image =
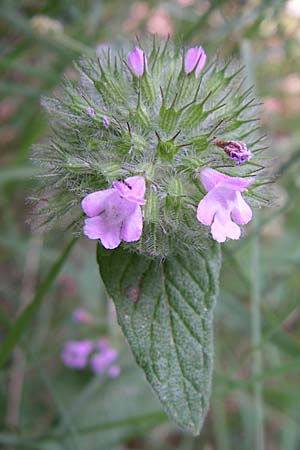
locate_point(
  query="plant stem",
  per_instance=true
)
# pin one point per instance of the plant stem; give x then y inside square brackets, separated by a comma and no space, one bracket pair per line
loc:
[255,295]
[256,340]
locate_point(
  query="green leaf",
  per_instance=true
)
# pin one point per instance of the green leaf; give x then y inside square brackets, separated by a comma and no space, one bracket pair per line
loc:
[165,309]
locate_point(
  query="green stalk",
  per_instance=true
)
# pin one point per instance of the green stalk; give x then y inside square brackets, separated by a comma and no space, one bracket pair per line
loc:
[255,296]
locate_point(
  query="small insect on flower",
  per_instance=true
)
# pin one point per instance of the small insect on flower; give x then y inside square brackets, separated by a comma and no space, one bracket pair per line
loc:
[194,60]
[236,150]
[223,207]
[136,61]
[115,214]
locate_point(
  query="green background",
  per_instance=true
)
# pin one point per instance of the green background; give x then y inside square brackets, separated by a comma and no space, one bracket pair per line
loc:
[255,401]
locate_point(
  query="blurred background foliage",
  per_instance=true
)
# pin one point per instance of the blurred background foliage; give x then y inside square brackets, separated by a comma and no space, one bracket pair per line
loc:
[256,396]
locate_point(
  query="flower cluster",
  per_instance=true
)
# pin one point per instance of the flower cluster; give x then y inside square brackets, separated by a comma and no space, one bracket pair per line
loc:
[142,138]
[99,356]
[116,214]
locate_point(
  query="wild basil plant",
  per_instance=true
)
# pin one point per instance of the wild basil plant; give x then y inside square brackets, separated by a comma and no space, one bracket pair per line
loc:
[155,154]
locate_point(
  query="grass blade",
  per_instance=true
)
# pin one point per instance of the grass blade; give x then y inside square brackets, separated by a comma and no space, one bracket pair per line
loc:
[27,314]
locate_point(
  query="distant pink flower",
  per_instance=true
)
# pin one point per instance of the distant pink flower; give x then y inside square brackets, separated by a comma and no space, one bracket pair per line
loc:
[102,360]
[75,353]
[114,371]
[98,355]
[223,207]
[194,60]
[136,61]
[115,214]
[81,315]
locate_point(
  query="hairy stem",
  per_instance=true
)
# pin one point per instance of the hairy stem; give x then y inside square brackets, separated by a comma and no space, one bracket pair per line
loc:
[255,294]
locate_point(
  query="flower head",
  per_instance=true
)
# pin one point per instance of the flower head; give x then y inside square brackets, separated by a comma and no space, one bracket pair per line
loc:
[75,353]
[135,60]
[152,117]
[194,60]
[223,207]
[115,214]
[236,150]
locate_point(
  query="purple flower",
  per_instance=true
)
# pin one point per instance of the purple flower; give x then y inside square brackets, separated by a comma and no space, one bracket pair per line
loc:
[223,207]
[90,111]
[105,121]
[115,214]
[75,353]
[194,59]
[102,360]
[236,150]
[135,61]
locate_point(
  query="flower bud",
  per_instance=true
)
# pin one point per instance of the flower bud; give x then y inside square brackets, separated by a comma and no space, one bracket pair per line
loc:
[236,150]
[194,59]
[90,111]
[105,121]
[135,60]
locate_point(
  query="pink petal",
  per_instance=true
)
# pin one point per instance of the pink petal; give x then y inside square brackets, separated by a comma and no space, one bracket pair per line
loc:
[96,202]
[207,208]
[132,226]
[132,189]
[114,371]
[223,227]
[191,58]
[237,183]
[135,60]
[211,178]
[138,186]
[100,227]
[92,227]
[201,62]
[241,212]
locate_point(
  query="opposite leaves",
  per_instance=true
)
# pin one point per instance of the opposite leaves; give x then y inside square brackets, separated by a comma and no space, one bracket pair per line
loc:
[165,310]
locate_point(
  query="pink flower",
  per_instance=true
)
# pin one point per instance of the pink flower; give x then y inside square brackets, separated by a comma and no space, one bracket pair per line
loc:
[99,355]
[114,371]
[194,59]
[102,360]
[135,61]
[115,214]
[81,315]
[75,353]
[223,207]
